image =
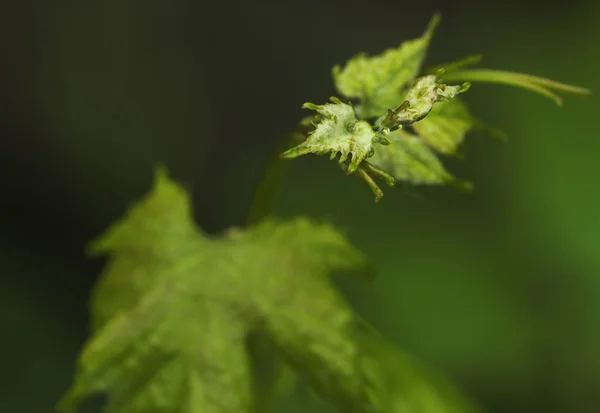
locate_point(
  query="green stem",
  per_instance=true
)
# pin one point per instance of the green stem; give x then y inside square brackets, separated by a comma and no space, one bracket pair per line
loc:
[454,66]
[543,86]
[263,199]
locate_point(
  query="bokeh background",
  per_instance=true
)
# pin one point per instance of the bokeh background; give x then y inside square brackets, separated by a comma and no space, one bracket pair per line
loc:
[499,289]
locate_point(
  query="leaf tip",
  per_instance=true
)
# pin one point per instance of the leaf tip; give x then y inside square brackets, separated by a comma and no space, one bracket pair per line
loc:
[94,248]
[311,106]
[66,404]
[558,100]
[335,71]
[161,172]
[462,186]
[464,87]
[433,24]
[295,152]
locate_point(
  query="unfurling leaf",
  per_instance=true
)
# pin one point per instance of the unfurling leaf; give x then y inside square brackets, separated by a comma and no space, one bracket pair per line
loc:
[381,81]
[409,159]
[339,132]
[419,101]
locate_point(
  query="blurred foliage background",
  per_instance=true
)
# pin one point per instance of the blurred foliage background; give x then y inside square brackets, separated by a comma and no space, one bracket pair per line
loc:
[499,289]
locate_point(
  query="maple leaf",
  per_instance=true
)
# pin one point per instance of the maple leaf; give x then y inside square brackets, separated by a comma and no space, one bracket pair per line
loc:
[380,81]
[174,309]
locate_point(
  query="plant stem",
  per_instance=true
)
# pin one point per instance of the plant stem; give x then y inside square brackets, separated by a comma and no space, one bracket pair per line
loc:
[269,186]
[543,86]
[454,66]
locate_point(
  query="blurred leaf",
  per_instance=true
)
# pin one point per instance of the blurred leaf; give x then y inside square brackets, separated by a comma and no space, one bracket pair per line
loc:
[409,386]
[392,381]
[380,81]
[158,232]
[177,339]
[174,338]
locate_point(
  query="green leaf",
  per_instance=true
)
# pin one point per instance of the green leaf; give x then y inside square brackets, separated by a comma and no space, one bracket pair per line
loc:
[358,371]
[177,338]
[445,127]
[380,81]
[402,381]
[338,132]
[157,232]
[174,308]
[408,158]
[273,379]
[172,352]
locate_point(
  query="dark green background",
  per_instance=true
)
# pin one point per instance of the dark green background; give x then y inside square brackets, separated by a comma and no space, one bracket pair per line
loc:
[499,289]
